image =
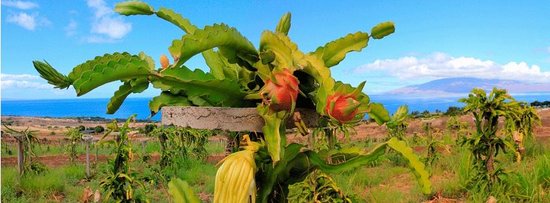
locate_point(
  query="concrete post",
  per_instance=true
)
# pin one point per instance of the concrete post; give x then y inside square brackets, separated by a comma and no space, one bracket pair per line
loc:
[143,147]
[143,144]
[229,119]
[20,154]
[88,140]
[96,153]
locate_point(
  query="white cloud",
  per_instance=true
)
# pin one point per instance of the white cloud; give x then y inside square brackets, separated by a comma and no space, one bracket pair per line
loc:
[26,86]
[100,8]
[23,5]
[22,84]
[4,76]
[70,29]
[23,81]
[28,21]
[24,20]
[441,65]
[105,25]
[114,28]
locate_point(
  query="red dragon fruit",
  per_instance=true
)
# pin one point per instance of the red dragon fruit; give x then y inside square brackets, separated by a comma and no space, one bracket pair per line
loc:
[342,107]
[280,91]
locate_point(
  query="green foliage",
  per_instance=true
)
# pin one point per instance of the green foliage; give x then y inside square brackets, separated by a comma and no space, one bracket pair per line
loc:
[454,124]
[355,160]
[532,182]
[131,86]
[180,143]
[397,124]
[228,64]
[222,69]
[107,68]
[219,65]
[148,128]
[167,99]
[356,183]
[197,173]
[431,145]
[176,19]
[524,182]
[296,164]
[377,112]
[321,74]
[528,118]
[51,75]
[75,136]
[274,132]
[285,53]
[485,145]
[540,104]
[238,74]
[520,127]
[181,192]
[201,88]
[28,141]
[284,24]
[99,129]
[120,182]
[334,52]
[325,137]
[317,187]
[133,8]
[235,47]
[32,187]
[415,164]
[382,30]
[271,180]
[454,111]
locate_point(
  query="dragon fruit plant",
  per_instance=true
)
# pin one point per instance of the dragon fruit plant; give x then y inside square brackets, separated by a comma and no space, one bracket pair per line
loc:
[276,78]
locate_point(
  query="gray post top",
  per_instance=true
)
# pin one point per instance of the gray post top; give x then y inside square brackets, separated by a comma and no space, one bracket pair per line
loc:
[87,138]
[223,118]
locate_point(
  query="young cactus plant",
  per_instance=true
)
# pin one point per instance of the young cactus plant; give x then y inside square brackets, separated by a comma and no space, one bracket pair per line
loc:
[276,77]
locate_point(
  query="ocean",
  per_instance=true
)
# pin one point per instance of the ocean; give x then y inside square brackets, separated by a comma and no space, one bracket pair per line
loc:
[140,106]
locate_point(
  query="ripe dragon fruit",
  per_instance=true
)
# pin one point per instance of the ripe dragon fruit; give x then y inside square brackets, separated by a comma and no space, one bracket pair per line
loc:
[280,91]
[342,107]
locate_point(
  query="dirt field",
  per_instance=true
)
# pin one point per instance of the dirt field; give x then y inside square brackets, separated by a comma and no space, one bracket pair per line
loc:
[45,126]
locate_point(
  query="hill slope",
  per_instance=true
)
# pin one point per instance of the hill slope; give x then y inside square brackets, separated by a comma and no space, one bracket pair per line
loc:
[453,86]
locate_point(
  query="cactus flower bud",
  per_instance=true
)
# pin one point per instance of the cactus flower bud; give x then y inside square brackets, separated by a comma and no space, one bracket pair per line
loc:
[235,177]
[164,62]
[342,107]
[281,91]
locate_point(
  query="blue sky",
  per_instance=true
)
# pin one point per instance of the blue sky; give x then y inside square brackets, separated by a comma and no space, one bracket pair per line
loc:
[433,39]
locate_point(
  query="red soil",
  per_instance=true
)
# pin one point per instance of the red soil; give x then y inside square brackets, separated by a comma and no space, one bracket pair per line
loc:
[363,131]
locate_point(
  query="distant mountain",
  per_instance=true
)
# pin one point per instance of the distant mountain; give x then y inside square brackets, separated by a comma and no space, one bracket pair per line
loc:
[455,86]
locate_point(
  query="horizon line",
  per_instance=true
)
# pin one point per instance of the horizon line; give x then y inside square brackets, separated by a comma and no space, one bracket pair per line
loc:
[394,96]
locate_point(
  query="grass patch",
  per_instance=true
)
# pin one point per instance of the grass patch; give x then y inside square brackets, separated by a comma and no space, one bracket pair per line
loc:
[215,147]
[9,183]
[197,173]
[386,180]
[385,194]
[365,184]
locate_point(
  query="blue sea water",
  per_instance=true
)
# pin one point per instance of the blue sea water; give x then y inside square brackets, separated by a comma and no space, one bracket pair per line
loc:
[77,108]
[140,106]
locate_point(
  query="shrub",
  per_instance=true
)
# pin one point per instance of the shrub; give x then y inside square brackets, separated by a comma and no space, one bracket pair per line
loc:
[99,129]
